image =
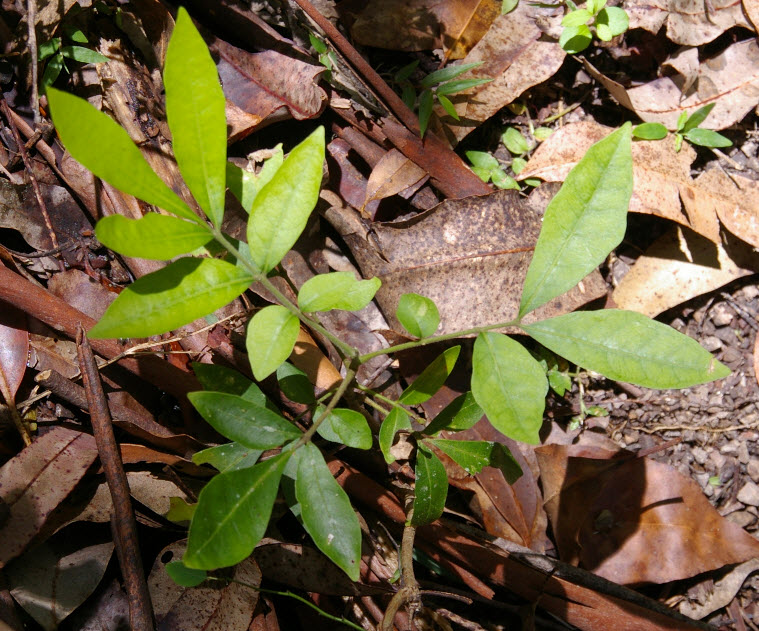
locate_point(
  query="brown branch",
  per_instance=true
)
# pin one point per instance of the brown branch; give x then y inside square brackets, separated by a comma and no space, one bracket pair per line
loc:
[123,521]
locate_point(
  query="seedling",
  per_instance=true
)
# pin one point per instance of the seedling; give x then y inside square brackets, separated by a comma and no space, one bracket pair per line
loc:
[581,225]
[687,128]
[326,56]
[488,169]
[608,22]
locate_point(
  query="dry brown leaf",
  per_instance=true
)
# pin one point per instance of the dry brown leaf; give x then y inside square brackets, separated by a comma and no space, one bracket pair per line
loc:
[14,350]
[81,292]
[391,175]
[730,80]
[453,25]
[679,266]
[37,480]
[634,520]
[515,56]
[723,592]
[751,7]
[470,256]
[689,22]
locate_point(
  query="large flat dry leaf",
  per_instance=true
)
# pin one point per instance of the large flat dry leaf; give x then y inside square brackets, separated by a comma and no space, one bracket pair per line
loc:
[453,25]
[730,80]
[689,22]
[14,350]
[37,480]
[679,266]
[470,256]
[515,56]
[634,520]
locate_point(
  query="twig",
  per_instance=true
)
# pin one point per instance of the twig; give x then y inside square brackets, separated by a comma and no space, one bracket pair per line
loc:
[31,26]
[123,521]
[409,591]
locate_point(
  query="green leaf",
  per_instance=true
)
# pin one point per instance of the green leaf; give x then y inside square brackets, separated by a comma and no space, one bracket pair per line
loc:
[432,378]
[470,455]
[575,39]
[695,119]
[649,131]
[509,385]
[518,165]
[223,379]
[232,514]
[559,381]
[483,173]
[425,110]
[594,6]
[395,421]
[346,427]
[446,74]
[195,111]
[483,160]
[577,18]
[245,185]
[173,296]
[52,71]
[507,6]
[604,32]
[180,512]
[282,207]
[707,138]
[318,45]
[583,222]
[615,19]
[503,181]
[502,458]
[431,488]
[418,315]
[542,133]
[272,334]
[448,106]
[404,73]
[628,346]
[327,512]
[460,85]
[183,575]
[228,457]
[461,413]
[245,422]
[48,48]
[408,95]
[515,142]
[295,384]
[338,290]
[83,55]
[681,120]
[97,142]
[159,237]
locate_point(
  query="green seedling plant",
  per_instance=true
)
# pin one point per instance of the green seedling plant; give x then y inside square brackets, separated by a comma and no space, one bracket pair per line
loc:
[436,86]
[688,128]
[607,22]
[582,224]
[488,169]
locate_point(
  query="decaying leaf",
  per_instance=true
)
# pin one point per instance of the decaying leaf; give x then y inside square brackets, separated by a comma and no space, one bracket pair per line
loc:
[724,591]
[14,350]
[391,175]
[469,256]
[622,516]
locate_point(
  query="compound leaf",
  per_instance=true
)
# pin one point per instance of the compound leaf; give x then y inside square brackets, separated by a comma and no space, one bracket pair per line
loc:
[431,379]
[272,334]
[338,290]
[431,488]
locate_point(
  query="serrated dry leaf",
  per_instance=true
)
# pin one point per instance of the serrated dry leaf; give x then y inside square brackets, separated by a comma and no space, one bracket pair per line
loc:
[634,520]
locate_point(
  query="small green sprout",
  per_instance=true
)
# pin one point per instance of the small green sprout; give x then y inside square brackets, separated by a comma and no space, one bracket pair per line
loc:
[489,169]
[608,22]
[326,56]
[687,128]
[56,53]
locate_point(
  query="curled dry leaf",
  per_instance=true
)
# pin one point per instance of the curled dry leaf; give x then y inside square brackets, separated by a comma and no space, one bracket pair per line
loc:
[689,22]
[730,80]
[722,593]
[14,350]
[37,480]
[210,606]
[393,174]
[620,516]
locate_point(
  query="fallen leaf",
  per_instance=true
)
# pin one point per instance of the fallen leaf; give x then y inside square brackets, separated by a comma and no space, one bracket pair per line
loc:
[455,26]
[689,22]
[469,256]
[37,480]
[634,520]
[391,175]
[751,7]
[211,606]
[515,56]
[153,491]
[679,266]
[14,350]
[723,592]
[81,292]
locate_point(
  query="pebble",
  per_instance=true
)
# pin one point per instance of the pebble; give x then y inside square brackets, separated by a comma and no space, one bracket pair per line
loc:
[730,447]
[700,455]
[721,314]
[711,343]
[751,292]
[749,494]
[752,468]
[743,455]
[731,355]
[718,459]
[742,518]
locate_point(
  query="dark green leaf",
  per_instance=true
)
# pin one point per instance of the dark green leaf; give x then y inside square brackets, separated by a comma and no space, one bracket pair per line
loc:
[707,138]
[183,575]
[446,74]
[628,346]
[223,379]
[583,222]
[295,384]
[502,458]
[346,427]
[431,488]
[327,512]
[83,55]
[448,106]
[272,333]
[228,457]
[695,119]
[48,49]
[470,455]
[337,290]
[509,385]
[395,421]
[173,296]
[431,379]
[408,95]
[318,45]
[247,423]
[52,71]
[405,72]
[462,413]
[649,131]
[425,110]
[195,108]
[460,85]
[418,315]
[232,514]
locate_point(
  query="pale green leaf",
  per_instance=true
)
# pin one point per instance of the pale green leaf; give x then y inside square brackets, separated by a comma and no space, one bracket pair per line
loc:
[394,422]
[695,119]
[245,185]
[418,315]
[346,427]
[576,18]
[430,489]
[470,455]
[649,131]
[583,222]
[683,118]
[461,413]
[507,6]
[282,207]
[613,18]
[327,514]
[432,378]
[503,181]
[338,290]
[159,237]
[247,423]
[518,165]
[228,457]
[96,141]
[448,106]
[295,384]
[628,346]
[232,514]
[510,385]
[514,141]
[575,39]
[272,333]
[542,133]
[604,32]
[195,108]
[707,138]
[483,160]
[176,295]
[180,511]
[183,575]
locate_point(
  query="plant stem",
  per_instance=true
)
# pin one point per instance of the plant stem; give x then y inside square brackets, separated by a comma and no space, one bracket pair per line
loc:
[436,338]
[409,591]
[349,376]
[384,399]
